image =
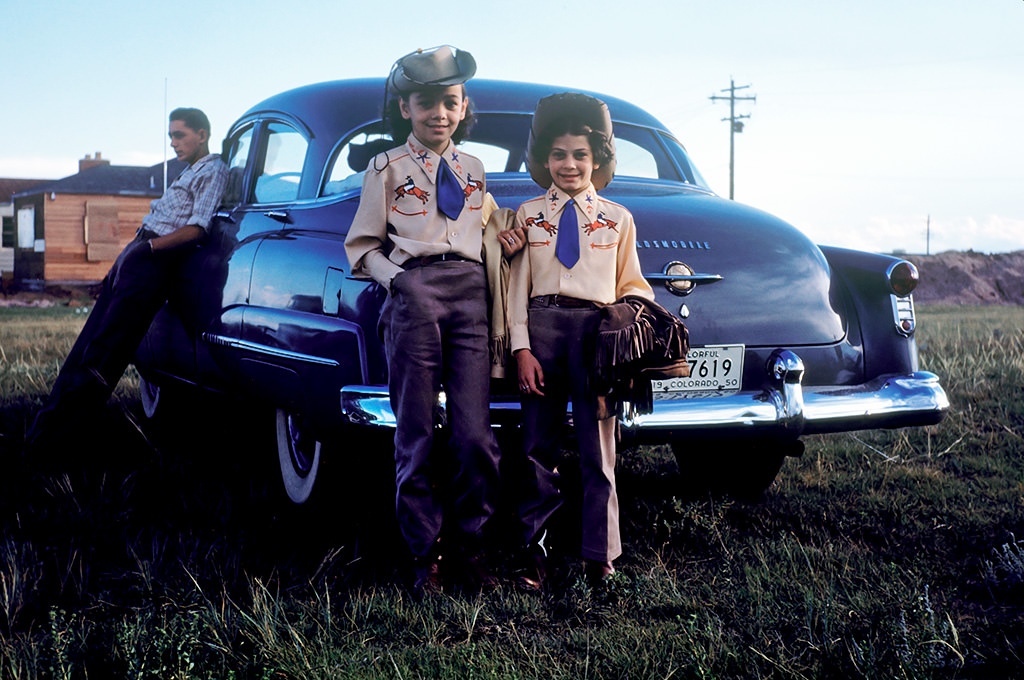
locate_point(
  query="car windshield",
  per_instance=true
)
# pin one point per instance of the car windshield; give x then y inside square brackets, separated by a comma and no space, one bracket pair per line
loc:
[499,141]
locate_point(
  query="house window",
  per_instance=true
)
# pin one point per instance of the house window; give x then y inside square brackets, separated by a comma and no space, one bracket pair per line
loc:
[102,237]
[7,235]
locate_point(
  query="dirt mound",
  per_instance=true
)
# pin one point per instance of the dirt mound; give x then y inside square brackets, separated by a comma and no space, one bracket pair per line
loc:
[970,278]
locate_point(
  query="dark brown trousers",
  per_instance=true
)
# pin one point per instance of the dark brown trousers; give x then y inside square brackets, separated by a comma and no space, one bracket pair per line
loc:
[436,337]
[562,341]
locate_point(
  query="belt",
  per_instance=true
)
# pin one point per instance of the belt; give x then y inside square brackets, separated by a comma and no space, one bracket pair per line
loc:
[414,262]
[565,301]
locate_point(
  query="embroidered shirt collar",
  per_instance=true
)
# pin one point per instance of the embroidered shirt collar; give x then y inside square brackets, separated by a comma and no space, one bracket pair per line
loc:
[430,161]
[555,200]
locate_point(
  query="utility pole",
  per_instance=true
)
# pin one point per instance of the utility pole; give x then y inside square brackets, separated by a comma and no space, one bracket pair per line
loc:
[735,124]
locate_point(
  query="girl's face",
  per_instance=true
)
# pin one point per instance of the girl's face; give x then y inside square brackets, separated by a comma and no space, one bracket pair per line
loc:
[435,115]
[571,163]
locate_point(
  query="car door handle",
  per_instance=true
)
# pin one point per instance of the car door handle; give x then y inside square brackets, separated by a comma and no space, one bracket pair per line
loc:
[279,215]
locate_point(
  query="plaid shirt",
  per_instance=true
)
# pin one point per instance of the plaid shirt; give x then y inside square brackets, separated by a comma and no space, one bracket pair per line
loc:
[191,199]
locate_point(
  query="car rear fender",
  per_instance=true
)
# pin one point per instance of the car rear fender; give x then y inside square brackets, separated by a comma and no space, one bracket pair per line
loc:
[874,310]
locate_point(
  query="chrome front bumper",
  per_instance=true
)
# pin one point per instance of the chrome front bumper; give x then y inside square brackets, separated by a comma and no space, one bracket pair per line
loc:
[787,409]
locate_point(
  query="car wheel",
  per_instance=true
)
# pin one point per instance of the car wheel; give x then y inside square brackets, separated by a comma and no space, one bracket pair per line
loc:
[298,452]
[741,469]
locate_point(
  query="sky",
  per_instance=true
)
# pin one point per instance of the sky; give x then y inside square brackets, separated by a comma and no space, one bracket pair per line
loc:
[879,125]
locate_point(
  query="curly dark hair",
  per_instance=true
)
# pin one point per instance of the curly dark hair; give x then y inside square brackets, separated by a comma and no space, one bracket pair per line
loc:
[599,143]
[401,128]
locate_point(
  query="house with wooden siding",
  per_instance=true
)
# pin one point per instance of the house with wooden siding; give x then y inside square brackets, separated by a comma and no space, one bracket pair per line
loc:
[69,231]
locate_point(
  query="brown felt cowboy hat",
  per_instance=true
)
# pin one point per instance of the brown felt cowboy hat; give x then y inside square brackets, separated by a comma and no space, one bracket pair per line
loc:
[440,66]
[588,110]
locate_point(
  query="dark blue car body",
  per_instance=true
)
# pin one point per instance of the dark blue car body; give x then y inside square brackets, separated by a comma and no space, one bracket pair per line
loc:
[267,309]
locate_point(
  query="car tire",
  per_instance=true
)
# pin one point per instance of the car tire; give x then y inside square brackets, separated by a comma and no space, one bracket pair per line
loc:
[741,469]
[298,452]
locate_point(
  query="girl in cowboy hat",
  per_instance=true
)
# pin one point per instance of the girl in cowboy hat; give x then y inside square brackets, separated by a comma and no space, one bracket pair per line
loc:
[580,254]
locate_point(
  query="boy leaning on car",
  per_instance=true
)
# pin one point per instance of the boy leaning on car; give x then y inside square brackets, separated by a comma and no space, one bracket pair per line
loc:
[418,233]
[138,283]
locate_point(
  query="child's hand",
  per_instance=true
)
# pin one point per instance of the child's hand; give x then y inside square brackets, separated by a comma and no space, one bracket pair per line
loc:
[512,240]
[531,376]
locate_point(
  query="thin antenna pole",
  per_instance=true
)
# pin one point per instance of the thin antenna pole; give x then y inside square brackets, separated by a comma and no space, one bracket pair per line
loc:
[163,187]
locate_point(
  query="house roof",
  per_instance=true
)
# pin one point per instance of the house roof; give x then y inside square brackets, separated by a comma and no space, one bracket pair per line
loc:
[10,186]
[112,180]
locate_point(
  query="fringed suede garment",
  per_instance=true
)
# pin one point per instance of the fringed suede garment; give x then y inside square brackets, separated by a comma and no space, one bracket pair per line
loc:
[638,340]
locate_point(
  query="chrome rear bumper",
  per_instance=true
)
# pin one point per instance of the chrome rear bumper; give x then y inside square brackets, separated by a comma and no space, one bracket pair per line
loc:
[787,409]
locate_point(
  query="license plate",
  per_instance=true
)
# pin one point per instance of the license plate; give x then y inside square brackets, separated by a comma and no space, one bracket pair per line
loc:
[714,370]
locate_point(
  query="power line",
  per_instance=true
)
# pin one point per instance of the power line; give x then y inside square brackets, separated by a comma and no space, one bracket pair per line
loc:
[735,124]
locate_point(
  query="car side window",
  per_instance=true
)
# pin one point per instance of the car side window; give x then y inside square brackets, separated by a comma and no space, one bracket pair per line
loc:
[284,156]
[638,154]
[350,162]
[237,156]
[634,160]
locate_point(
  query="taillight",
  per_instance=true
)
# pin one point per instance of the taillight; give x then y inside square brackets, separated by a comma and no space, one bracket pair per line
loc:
[903,278]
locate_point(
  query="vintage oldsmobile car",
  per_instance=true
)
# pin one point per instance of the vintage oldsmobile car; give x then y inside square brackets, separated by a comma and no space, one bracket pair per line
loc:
[788,338]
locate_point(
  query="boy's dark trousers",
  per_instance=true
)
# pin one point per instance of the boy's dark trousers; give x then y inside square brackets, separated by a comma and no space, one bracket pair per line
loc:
[133,291]
[435,331]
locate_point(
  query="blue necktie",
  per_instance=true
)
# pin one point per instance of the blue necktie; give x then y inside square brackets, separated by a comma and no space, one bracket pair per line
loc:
[450,196]
[567,248]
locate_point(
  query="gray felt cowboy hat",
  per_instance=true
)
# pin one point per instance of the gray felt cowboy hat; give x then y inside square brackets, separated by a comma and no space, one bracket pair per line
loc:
[591,111]
[435,67]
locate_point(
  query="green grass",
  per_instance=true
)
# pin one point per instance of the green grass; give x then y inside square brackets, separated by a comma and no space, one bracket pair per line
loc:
[170,552]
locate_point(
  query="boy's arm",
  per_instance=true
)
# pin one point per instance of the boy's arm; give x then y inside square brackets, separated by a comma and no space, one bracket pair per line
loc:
[519,296]
[207,189]
[367,236]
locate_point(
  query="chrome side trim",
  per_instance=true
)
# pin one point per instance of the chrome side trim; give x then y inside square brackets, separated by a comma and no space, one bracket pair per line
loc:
[266,350]
[696,278]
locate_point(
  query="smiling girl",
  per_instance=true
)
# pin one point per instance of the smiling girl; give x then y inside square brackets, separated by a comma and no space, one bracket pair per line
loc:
[580,255]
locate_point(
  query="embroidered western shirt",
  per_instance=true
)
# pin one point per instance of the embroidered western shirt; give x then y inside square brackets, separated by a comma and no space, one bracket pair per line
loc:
[191,199]
[398,217]
[608,268]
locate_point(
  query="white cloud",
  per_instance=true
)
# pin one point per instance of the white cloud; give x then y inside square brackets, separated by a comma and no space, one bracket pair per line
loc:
[920,234]
[38,167]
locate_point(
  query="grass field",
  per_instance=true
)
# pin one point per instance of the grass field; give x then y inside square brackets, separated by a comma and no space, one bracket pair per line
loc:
[167,551]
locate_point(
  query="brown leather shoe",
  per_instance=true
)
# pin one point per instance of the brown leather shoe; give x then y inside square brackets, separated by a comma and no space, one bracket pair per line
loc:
[598,572]
[478,575]
[533,572]
[426,576]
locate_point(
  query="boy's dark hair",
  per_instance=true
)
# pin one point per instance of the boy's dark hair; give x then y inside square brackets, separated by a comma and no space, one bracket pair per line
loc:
[599,145]
[401,128]
[193,118]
